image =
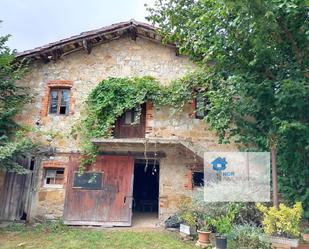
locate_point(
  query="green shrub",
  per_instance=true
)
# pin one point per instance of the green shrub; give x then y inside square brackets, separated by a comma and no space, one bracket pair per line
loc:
[248,214]
[246,237]
[186,212]
[284,221]
[189,218]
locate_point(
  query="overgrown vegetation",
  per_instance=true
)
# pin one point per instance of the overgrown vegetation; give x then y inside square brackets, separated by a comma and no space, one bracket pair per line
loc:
[12,98]
[255,54]
[113,96]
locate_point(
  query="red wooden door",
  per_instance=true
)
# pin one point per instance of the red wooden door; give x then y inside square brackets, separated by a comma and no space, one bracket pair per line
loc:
[109,204]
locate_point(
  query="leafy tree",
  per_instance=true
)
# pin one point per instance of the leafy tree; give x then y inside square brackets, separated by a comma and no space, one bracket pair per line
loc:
[255,53]
[12,98]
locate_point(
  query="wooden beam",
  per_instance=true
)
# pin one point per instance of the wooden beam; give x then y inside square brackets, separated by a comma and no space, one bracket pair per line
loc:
[140,154]
[56,54]
[45,58]
[87,46]
[133,32]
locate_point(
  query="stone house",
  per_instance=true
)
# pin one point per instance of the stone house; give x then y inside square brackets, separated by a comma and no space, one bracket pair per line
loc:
[143,169]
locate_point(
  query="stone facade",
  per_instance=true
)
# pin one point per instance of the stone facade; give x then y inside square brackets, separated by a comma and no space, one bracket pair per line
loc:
[81,72]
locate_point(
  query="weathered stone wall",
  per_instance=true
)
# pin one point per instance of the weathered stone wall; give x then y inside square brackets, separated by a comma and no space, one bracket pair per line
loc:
[173,182]
[49,201]
[119,58]
[184,126]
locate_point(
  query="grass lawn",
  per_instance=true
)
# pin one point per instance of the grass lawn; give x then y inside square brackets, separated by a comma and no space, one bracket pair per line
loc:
[52,236]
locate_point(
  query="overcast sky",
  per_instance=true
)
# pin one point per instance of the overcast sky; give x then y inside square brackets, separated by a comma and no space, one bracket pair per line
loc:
[33,23]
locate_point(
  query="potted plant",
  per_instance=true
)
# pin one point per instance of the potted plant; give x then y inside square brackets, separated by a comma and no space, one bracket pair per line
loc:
[203,234]
[306,235]
[223,225]
[282,225]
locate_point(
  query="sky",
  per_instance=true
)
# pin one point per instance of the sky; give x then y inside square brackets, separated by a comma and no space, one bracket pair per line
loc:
[33,23]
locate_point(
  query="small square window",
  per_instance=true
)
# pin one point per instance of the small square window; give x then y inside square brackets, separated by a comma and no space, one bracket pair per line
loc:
[198,179]
[54,177]
[59,101]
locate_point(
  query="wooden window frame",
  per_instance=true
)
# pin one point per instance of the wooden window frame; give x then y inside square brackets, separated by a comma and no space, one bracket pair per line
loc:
[59,95]
[56,84]
[53,185]
[133,113]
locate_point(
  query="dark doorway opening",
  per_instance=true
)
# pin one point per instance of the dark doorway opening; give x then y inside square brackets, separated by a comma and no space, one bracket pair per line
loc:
[146,186]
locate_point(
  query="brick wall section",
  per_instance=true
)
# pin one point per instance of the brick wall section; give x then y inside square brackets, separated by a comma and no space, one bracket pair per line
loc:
[149,118]
[193,107]
[164,202]
[55,84]
[53,164]
[188,176]
[188,183]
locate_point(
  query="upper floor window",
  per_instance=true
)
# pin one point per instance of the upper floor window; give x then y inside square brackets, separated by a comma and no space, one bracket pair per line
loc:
[59,101]
[132,116]
[201,105]
[132,123]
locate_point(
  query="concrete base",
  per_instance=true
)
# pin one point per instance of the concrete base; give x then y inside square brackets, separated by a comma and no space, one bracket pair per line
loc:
[202,245]
[279,246]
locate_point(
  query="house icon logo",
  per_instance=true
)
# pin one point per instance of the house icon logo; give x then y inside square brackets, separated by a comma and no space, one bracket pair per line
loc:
[219,164]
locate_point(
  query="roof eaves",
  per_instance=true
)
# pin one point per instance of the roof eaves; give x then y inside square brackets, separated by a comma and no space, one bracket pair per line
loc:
[110,30]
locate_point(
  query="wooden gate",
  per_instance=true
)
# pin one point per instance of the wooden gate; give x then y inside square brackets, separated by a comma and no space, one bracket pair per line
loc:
[18,191]
[103,198]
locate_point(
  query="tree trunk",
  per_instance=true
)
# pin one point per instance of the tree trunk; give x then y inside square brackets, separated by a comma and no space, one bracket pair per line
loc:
[274,177]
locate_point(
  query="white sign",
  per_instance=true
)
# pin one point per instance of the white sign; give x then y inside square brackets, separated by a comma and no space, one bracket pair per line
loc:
[237,176]
[184,229]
